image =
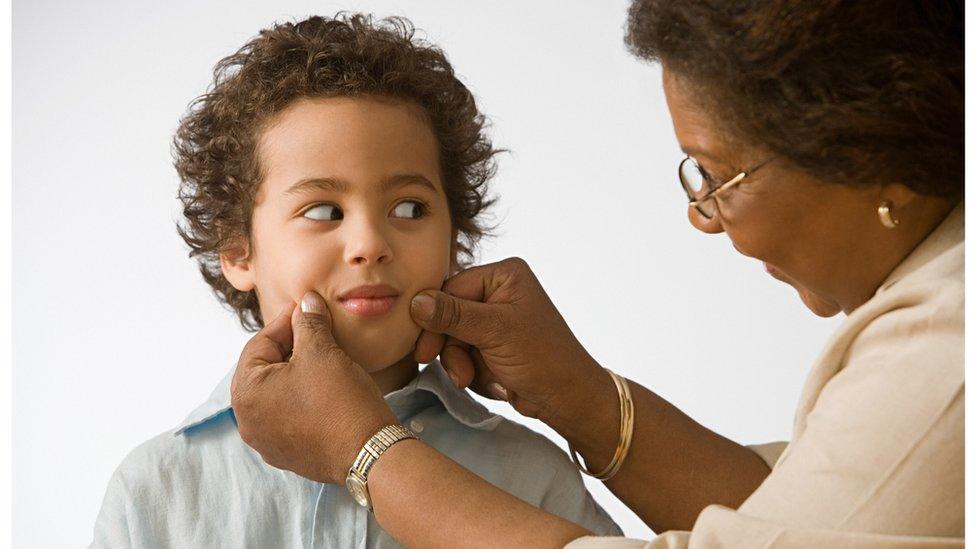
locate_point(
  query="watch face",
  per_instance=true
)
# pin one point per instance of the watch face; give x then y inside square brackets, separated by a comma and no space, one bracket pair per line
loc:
[357,488]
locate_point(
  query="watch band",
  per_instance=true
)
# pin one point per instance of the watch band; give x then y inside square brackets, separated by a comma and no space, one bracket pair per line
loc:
[358,477]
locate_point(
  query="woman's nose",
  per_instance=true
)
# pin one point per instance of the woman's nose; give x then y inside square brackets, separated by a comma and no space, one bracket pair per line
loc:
[704,224]
[366,245]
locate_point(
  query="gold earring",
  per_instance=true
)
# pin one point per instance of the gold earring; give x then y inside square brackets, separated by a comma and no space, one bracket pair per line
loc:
[884,215]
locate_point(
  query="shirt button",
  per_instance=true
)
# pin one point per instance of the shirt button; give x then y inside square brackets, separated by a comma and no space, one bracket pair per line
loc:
[416,426]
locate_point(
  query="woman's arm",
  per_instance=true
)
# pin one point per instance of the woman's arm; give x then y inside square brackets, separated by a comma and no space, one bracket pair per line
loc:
[424,499]
[675,467]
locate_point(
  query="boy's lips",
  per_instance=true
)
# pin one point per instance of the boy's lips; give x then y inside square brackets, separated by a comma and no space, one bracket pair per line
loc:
[369,300]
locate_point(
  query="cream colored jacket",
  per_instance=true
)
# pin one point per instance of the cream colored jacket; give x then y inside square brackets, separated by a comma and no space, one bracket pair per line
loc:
[876,458]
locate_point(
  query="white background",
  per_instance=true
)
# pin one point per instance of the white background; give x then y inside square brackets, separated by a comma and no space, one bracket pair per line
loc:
[117,337]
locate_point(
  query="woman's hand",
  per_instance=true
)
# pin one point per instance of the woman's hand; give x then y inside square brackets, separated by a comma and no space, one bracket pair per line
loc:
[521,349]
[309,413]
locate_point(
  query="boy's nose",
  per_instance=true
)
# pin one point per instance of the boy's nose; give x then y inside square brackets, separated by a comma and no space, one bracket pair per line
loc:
[367,245]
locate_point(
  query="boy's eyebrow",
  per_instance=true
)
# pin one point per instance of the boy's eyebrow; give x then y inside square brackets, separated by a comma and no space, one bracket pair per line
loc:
[402,180]
[320,183]
[339,186]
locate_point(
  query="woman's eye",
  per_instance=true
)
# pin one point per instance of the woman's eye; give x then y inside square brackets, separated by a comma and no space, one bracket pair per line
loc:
[706,177]
[409,209]
[324,212]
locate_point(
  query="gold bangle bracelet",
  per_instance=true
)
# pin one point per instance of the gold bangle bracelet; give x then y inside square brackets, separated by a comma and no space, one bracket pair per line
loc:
[626,432]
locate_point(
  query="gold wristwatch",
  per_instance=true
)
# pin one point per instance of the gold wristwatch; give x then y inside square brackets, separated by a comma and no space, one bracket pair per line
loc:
[356,480]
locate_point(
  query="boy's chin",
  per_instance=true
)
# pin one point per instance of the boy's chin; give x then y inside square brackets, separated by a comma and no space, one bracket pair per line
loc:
[380,355]
[373,364]
[377,345]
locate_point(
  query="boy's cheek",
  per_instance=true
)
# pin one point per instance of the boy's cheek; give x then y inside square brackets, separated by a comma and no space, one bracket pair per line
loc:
[289,282]
[431,277]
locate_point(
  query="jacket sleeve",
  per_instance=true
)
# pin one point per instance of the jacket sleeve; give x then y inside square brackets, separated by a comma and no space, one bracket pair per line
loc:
[722,528]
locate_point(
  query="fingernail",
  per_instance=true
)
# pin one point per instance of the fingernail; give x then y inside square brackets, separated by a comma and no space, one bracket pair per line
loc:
[498,391]
[454,378]
[312,304]
[423,306]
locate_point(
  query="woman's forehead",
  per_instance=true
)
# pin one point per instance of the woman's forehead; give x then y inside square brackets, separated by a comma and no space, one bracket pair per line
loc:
[693,128]
[698,133]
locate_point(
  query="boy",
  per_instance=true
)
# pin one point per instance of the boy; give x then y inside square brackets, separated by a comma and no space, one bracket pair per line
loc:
[344,157]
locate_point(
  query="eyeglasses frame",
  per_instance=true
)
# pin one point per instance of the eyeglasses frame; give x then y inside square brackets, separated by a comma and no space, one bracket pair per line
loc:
[710,195]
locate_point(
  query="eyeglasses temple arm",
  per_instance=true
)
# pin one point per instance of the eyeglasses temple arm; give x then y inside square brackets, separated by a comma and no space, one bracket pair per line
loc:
[723,186]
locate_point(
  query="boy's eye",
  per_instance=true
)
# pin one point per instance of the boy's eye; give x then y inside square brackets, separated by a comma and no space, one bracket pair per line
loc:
[409,209]
[324,212]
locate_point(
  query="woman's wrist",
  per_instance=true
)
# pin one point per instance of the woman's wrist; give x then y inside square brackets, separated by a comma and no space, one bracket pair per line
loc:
[359,430]
[587,415]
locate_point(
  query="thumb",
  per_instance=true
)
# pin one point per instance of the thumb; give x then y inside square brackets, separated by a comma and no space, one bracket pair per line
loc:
[312,325]
[271,345]
[468,321]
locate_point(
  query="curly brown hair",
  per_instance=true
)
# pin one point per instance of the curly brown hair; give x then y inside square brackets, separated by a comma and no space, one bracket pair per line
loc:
[850,92]
[348,55]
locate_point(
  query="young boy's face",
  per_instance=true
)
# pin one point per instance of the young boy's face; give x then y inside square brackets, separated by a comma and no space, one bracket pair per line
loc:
[351,206]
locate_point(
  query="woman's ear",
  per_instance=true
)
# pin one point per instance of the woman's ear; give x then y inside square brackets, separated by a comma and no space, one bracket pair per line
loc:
[899,194]
[235,263]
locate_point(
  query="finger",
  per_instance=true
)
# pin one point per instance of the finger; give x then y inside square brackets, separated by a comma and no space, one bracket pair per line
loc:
[311,322]
[429,345]
[485,383]
[270,345]
[470,283]
[469,321]
[481,282]
[457,362]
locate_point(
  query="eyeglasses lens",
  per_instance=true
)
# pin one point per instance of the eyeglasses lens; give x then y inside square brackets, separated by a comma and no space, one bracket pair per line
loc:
[695,186]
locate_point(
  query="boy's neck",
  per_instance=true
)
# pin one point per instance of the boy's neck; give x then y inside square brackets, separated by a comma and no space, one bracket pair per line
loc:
[397,376]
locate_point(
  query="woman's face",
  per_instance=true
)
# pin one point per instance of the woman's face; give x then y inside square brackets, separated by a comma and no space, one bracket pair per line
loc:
[351,206]
[808,233]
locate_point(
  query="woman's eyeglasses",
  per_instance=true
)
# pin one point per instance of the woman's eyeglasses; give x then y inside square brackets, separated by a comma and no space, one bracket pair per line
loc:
[702,189]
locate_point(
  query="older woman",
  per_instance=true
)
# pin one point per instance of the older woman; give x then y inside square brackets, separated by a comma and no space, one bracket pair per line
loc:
[823,138]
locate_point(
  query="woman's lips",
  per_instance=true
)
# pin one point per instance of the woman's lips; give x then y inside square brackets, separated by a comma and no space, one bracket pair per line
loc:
[369,300]
[368,306]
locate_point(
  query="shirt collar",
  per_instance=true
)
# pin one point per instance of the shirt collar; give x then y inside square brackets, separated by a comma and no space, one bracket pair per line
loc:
[949,234]
[432,380]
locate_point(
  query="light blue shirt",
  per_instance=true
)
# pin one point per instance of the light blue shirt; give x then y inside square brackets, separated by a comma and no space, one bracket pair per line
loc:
[201,486]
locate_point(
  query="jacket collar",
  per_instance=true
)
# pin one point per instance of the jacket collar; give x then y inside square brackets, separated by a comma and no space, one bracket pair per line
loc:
[431,384]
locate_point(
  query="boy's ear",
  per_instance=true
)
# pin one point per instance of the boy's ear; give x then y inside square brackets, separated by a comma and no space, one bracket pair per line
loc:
[236,265]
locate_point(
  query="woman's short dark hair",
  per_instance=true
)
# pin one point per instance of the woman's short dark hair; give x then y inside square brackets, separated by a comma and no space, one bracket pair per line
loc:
[851,92]
[215,147]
